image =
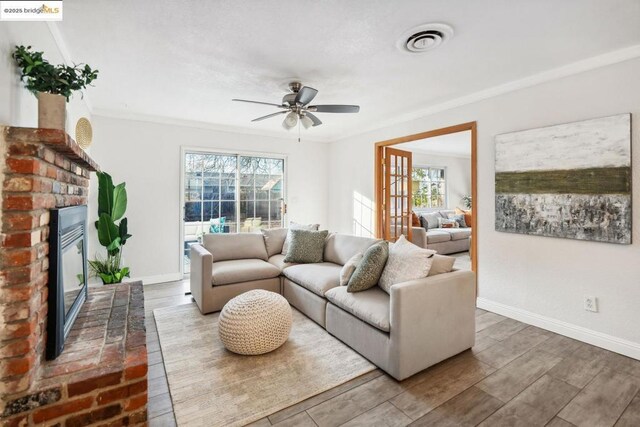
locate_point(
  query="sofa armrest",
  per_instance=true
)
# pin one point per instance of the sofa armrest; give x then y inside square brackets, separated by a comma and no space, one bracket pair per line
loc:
[419,237]
[432,319]
[200,277]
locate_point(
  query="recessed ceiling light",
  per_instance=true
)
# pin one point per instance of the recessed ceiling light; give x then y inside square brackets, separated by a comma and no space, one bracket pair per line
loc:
[424,38]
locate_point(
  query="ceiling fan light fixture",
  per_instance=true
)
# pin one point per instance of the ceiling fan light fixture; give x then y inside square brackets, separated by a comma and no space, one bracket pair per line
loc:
[306,122]
[290,121]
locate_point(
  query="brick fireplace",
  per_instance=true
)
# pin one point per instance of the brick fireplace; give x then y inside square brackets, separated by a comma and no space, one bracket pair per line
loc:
[101,377]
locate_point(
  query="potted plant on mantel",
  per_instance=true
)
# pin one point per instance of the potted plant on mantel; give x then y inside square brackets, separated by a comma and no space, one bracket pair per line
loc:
[52,85]
[112,204]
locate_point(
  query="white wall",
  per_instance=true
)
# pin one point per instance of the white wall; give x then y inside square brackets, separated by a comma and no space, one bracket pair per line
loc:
[147,157]
[538,279]
[457,174]
[18,107]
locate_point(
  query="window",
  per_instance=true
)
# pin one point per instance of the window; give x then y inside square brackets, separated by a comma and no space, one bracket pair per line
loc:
[222,188]
[429,187]
[229,193]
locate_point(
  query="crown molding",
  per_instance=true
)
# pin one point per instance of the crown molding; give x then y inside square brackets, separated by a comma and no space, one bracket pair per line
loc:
[595,62]
[577,67]
[149,118]
[58,38]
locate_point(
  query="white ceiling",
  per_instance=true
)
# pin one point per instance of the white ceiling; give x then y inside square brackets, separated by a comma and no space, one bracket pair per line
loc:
[186,60]
[454,144]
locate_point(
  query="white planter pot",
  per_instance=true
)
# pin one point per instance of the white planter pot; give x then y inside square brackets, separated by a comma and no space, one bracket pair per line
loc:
[52,111]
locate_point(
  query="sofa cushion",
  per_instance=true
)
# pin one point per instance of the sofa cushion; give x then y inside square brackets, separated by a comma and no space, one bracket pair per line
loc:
[430,220]
[459,218]
[274,240]
[445,213]
[468,216]
[242,270]
[349,267]
[448,223]
[235,246]
[339,248]
[371,306]
[459,233]
[318,278]
[415,219]
[406,262]
[437,236]
[296,226]
[369,268]
[306,246]
[441,264]
[278,261]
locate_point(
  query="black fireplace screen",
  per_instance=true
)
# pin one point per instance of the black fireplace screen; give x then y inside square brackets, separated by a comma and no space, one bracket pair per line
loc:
[67,274]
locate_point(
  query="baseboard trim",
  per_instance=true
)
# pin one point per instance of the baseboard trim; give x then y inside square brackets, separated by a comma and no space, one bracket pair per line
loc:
[160,278]
[609,342]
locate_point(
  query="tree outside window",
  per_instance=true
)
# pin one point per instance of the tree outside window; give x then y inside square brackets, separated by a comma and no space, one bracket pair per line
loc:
[429,187]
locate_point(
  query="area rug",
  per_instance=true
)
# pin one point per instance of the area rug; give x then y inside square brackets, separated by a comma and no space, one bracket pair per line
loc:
[211,386]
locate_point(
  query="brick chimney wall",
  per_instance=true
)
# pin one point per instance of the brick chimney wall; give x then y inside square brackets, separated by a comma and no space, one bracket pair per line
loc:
[44,169]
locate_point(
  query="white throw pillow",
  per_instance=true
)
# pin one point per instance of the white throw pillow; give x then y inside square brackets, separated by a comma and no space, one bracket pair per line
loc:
[406,262]
[296,226]
[441,264]
[349,267]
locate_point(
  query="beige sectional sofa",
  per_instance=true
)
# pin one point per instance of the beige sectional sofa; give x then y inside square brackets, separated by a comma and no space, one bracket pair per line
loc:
[420,323]
[443,240]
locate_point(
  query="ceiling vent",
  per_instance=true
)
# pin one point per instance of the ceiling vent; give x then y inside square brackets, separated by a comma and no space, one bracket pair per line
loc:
[424,38]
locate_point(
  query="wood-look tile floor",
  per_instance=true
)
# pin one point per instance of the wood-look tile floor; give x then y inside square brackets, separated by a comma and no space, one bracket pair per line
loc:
[516,375]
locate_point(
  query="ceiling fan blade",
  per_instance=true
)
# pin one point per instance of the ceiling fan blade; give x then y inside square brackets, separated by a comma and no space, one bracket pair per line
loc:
[269,116]
[334,108]
[316,121]
[305,95]
[260,102]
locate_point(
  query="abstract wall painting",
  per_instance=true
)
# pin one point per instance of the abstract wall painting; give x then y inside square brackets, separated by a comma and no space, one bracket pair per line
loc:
[570,181]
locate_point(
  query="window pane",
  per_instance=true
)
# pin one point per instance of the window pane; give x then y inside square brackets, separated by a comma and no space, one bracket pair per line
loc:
[192,211]
[228,189]
[247,193]
[247,210]
[429,187]
[211,188]
[228,211]
[262,210]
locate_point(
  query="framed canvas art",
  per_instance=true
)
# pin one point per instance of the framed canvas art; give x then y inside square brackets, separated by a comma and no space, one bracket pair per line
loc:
[570,181]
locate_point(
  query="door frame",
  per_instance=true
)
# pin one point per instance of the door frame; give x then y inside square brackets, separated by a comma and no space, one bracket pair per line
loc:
[184,149]
[379,159]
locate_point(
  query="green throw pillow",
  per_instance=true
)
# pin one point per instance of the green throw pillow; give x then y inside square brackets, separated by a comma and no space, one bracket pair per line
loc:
[306,246]
[370,269]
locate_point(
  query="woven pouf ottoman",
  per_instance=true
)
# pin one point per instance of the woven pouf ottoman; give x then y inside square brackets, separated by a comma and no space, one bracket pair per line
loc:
[255,322]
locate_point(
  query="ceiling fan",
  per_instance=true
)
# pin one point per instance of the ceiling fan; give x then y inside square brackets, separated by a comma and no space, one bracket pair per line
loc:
[297,109]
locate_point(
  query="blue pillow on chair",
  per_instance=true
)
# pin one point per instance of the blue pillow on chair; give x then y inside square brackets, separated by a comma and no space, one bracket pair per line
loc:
[217,225]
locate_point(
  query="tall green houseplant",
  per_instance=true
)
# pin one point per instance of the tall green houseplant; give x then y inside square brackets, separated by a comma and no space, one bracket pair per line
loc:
[112,230]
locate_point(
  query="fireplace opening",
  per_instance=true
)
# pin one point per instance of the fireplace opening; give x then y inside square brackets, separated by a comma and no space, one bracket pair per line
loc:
[67,274]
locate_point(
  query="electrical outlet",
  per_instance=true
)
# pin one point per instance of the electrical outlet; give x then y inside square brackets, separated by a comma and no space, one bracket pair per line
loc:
[591,303]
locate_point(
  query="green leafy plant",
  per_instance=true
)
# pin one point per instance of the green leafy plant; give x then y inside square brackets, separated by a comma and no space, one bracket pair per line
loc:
[108,270]
[467,201]
[112,230]
[39,75]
